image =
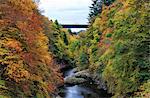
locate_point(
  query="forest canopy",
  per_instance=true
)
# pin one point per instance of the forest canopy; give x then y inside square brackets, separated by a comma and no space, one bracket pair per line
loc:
[115,48]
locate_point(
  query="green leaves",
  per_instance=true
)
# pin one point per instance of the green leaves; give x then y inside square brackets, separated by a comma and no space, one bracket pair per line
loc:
[2,82]
[123,46]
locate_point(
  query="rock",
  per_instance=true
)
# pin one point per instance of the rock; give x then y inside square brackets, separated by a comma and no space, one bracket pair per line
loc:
[78,78]
[75,70]
[74,81]
[99,81]
[58,97]
[85,76]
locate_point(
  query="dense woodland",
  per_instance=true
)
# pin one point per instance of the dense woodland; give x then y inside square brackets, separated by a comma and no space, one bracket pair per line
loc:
[27,67]
[34,48]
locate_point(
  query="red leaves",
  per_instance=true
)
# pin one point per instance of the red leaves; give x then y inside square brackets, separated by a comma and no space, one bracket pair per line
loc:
[51,87]
[28,58]
[35,23]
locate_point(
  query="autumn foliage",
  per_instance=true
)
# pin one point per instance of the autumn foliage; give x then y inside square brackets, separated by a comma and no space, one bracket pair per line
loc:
[27,68]
[123,48]
[116,48]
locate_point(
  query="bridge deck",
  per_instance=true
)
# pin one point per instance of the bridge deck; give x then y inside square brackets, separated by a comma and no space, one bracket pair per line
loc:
[74,26]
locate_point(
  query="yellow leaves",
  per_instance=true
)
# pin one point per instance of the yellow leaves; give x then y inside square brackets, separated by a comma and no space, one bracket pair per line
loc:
[93,67]
[42,41]
[144,90]
[127,2]
[24,50]
[3,51]
[16,72]
[41,48]
[64,30]
[10,58]
[23,5]
[96,23]
[35,77]
[105,55]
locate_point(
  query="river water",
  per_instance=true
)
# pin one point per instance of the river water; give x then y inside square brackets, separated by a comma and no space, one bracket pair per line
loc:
[78,91]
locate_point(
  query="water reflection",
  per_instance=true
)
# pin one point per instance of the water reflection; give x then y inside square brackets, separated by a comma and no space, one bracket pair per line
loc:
[79,92]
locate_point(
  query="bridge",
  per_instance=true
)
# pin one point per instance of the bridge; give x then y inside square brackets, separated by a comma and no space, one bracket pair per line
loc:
[74,25]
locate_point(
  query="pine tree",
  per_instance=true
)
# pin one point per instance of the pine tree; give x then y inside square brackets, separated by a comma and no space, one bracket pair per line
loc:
[108,2]
[95,9]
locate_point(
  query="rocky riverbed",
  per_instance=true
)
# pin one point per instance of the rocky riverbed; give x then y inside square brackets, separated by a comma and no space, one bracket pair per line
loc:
[83,77]
[82,84]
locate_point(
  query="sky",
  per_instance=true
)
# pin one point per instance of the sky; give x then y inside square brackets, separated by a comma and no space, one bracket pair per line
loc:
[66,11]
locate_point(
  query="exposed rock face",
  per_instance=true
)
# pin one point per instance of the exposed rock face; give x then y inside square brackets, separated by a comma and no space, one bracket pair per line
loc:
[86,77]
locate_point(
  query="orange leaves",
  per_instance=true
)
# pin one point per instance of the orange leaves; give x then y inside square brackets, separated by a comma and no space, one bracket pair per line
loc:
[22,25]
[24,49]
[16,72]
[35,22]
[28,58]
[13,44]
[25,6]
[51,87]
[28,35]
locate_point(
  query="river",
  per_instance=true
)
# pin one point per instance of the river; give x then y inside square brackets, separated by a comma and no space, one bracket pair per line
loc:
[78,91]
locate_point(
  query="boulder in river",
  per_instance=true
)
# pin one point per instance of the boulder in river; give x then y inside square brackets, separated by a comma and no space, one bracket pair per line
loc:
[74,81]
[85,76]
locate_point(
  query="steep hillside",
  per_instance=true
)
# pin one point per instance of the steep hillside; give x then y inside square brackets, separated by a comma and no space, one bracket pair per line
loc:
[124,47]
[116,48]
[27,68]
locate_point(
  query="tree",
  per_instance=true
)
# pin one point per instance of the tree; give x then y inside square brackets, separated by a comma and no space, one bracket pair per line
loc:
[27,68]
[95,9]
[69,30]
[108,2]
